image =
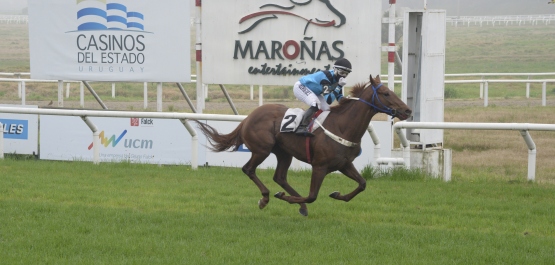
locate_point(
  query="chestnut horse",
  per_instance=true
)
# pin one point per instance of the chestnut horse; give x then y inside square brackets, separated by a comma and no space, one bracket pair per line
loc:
[329,151]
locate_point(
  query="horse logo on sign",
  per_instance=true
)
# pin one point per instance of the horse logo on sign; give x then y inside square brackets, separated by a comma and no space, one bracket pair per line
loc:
[271,11]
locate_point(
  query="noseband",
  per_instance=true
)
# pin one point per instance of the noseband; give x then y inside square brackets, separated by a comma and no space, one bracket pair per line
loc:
[383,108]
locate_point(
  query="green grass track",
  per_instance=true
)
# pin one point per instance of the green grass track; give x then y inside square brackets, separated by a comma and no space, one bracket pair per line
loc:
[120,213]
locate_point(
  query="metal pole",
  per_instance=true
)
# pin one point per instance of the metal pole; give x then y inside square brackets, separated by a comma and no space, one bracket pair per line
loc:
[194,143]
[229,99]
[198,47]
[145,88]
[391,47]
[376,140]
[94,94]
[186,97]
[96,139]
[531,154]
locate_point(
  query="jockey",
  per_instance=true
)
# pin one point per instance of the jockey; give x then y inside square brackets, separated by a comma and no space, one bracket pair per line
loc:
[319,89]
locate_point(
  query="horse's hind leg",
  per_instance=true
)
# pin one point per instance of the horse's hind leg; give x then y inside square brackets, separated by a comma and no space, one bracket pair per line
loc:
[280,177]
[250,170]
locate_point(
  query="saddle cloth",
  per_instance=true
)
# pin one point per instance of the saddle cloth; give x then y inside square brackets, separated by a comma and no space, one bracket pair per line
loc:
[292,119]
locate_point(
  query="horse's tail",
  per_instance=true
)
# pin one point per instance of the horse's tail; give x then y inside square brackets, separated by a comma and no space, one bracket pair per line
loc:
[222,142]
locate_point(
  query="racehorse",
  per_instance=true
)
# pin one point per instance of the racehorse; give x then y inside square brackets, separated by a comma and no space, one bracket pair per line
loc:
[333,147]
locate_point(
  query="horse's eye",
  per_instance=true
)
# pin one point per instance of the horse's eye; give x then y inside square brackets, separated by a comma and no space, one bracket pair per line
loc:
[386,94]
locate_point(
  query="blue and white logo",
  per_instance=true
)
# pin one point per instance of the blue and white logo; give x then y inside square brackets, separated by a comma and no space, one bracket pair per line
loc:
[15,129]
[99,15]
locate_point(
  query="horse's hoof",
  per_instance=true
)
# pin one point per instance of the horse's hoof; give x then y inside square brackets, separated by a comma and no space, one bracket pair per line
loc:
[279,194]
[334,194]
[262,204]
[303,212]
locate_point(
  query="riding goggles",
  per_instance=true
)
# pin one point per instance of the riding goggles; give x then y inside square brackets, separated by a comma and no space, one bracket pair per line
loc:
[342,72]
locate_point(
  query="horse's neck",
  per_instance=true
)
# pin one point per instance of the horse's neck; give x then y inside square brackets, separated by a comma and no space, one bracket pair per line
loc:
[354,121]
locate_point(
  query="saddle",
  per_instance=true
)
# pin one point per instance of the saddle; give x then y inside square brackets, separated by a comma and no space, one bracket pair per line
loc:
[293,116]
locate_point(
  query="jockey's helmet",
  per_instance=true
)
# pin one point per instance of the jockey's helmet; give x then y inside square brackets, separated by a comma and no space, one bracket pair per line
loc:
[342,67]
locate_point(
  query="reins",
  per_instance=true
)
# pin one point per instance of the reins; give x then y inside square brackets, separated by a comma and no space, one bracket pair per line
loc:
[384,108]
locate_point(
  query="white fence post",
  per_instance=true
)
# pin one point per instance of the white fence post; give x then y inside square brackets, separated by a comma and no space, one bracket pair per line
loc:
[194,143]
[22,92]
[544,93]
[159,97]
[19,89]
[486,92]
[60,93]
[482,90]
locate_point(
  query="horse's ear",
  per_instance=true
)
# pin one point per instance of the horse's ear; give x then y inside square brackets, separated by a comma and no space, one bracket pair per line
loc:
[377,79]
[372,80]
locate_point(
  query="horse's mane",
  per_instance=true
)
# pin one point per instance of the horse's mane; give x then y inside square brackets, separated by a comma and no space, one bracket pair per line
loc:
[355,92]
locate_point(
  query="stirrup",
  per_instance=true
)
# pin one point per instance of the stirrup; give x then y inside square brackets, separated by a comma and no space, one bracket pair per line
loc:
[303,131]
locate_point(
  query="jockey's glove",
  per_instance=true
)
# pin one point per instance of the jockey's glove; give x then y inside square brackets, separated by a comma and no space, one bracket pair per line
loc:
[342,81]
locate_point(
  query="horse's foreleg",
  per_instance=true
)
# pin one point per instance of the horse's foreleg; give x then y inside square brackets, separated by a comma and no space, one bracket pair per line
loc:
[250,170]
[280,177]
[351,172]
[318,176]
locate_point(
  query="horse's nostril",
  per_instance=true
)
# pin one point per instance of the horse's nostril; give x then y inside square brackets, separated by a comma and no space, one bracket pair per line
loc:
[408,112]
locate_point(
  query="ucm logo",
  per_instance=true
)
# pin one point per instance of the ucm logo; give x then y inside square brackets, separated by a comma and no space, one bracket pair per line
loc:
[112,140]
[128,143]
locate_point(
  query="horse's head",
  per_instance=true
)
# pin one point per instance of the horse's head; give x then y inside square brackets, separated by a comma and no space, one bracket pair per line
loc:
[382,99]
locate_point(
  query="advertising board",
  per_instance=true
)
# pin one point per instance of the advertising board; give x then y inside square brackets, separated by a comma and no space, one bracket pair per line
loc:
[20,131]
[139,140]
[110,40]
[275,42]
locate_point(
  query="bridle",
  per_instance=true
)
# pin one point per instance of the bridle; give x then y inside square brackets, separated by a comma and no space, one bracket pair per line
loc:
[383,108]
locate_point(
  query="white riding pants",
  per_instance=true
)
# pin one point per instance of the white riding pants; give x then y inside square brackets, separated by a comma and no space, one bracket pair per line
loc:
[306,95]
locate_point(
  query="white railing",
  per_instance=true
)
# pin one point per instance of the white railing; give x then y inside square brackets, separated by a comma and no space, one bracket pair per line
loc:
[183,117]
[523,128]
[21,87]
[85,114]
[516,20]
[512,20]
[484,83]
[14,19]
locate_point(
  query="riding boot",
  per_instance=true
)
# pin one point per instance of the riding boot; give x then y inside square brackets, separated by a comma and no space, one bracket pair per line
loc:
[303,127]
